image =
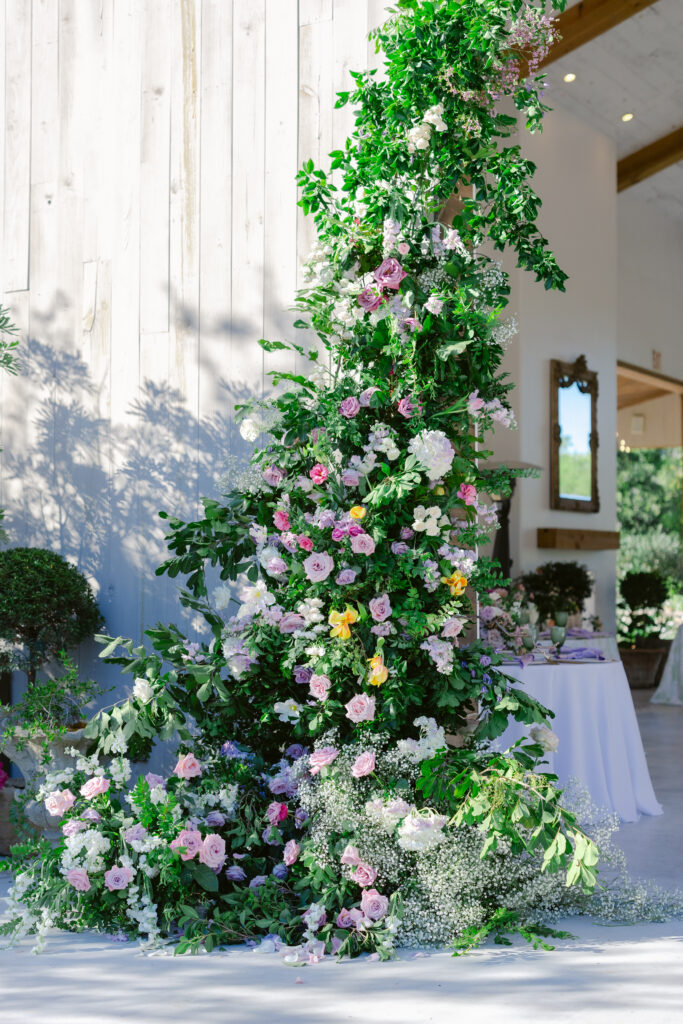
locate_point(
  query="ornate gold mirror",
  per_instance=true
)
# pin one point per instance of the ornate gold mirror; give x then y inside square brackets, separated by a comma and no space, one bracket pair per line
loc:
[574,437]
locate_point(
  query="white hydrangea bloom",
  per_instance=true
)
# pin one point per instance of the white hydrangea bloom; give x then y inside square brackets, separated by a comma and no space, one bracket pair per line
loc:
[421,830]
[433,451]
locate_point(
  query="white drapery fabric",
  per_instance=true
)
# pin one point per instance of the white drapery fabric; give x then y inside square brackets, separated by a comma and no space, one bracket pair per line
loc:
[670,689]
[597,728]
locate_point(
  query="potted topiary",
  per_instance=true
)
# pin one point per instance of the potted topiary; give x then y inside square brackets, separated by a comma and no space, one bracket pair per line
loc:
[641,621]
[558,587]
[46,607]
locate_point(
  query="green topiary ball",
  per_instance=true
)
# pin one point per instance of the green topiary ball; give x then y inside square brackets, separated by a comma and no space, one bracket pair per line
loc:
[644,590]
[46,605]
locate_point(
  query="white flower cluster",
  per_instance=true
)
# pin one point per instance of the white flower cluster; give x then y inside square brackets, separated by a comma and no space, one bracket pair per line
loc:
[429,520]
[420,135]
[432,739]
[85,850]
[433,451]
[421,830]
[441,652]
[141,910]
[311,609]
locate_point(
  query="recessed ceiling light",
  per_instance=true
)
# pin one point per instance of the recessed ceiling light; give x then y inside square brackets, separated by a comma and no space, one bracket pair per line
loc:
[627,117]
[570,77]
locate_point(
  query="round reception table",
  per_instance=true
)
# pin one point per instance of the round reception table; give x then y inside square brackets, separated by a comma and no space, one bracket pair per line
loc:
[597,729]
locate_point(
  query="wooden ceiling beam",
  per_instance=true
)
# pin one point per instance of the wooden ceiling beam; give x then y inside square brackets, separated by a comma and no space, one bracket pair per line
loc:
[589,19]
[648,161]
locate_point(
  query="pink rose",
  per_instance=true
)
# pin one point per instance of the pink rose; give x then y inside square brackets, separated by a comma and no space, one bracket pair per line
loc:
[403,248]
[413,323]
[304,542]
[364,875]
[363,765]
[373,905]
[321,758]
[94,787]
[370,299]
[59,802]
[212,852]
[276,812]
[346,919]
[78,877]
[72,828]
[276,566]
[350,478]
[362,544]
[361,708]
[453,627]
[349,407]
[350,856]
[318,567]
[288,540]
[319,687]
[281,520]
[188,767]
[291,622]
[273,475]
[191,840]
[408,408]
[468,493]
[380,607]
[291,852]
[475,404]
[118,877]
[338,533]
[365,396]
[355,529]
[318,474]
[389,273]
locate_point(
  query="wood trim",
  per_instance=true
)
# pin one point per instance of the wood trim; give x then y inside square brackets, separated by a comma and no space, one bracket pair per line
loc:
[589,19]
[650,160]
[577,540]
[643,376]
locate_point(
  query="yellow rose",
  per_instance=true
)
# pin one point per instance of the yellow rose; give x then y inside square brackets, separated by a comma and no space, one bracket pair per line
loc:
[340,622]
[357,512]
[455,583]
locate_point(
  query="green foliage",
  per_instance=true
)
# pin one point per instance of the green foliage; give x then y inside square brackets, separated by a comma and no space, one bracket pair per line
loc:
[8,343]
[46,606]
[649,490]
[643,597]
[558,586]
[50,708]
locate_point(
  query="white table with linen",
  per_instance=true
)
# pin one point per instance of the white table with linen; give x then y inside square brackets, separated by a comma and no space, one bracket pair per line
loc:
[670,689]
[604,642]
[597,729]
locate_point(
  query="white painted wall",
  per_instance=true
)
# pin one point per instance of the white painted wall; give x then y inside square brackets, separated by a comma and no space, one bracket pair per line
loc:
[650,295]
[150,235]
[658,423]
[576,182]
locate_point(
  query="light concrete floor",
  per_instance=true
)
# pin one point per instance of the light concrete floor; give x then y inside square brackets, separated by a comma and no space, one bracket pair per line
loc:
[605,976]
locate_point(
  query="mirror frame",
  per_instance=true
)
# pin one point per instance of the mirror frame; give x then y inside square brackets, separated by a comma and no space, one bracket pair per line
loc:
[563,375]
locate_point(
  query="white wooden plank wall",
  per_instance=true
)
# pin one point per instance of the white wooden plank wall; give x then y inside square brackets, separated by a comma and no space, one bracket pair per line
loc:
[149,237]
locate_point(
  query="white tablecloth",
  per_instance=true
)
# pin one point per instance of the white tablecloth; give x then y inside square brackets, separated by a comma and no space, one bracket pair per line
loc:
[596,724]
[605,642]
[670,689]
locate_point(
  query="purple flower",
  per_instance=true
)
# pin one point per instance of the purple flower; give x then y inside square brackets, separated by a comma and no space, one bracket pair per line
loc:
[318,566]
[153,780]
[295,751]
[339,533]
[280,871]
[350,478]
[484,661]
[407,408]
[272,836]
[134,834]
[380,607]
[215,819]
[235,873]
[276,566]
[370,298]
[366,396]
[302,674]
[257,881]
[399,547]
[349,407]
[300,817]
[90,814]
[389,274]
[362,544]
[291,622]
[345,577]
[407,533]
[355,530]
[382,629]
[273,475]
[326,519]
[230,749]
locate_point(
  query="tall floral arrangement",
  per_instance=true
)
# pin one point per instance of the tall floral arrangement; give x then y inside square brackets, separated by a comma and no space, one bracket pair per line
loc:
[317,797]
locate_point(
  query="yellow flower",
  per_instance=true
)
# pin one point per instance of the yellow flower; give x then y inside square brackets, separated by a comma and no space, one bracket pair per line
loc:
[340,622]
[357,512]
[439,491]
[379,673]
[455,583]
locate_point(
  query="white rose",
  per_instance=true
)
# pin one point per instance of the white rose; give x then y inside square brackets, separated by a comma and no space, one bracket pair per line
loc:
[250,428]
[142,690]
[546,737]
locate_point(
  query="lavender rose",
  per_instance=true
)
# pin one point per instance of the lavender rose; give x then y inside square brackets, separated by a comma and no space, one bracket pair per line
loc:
[349,407]
[235,873]
[212,852]
[291,622]
[118,878]
[364,875]
[373,905]
[361,708]
[389,274]
[363,544]
[380,607]
[345,577]
[318,566]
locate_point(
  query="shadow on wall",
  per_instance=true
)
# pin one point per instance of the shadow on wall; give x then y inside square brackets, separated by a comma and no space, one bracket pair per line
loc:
[92,490]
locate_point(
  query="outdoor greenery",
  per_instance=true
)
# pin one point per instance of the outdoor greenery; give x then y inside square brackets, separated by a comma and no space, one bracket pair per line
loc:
[650,504]
[315,803]
[558,586]
[643,597]
[46,606]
